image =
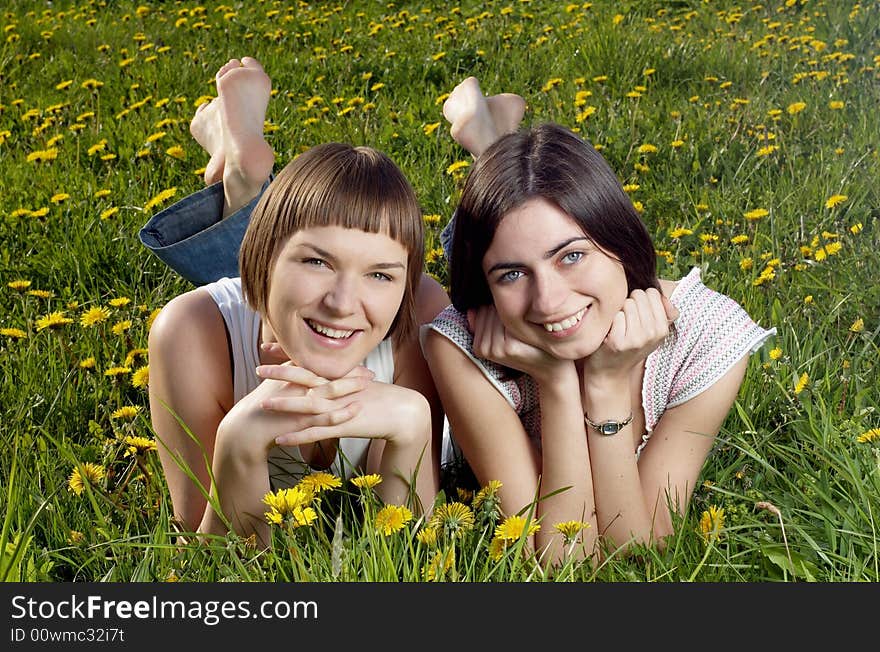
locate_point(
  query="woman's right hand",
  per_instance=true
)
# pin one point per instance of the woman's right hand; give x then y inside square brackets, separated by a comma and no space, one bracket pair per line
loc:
[493,342]
[307,400]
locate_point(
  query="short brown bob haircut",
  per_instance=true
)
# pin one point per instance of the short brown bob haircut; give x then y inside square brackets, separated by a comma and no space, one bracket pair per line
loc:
[553,163]
[334,184]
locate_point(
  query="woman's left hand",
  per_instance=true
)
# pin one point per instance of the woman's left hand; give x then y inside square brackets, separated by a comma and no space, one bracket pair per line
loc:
[494,342]
[637,329]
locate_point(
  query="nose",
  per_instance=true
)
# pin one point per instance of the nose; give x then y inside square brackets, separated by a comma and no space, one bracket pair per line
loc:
[548,294]
[341,297]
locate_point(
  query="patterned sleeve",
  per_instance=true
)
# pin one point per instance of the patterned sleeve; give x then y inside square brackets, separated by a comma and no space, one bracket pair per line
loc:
[713,332]
[520,391]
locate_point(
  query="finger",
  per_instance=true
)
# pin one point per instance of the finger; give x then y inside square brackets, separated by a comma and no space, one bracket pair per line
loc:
[617,332]
[341,387]
[326,426]
[297,404]
[275,353]
[672,312]
[658,312]
[633,323]
[291,374]
[361,372]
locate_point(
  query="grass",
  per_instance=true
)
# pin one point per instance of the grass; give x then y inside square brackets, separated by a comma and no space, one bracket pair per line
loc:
[750,106]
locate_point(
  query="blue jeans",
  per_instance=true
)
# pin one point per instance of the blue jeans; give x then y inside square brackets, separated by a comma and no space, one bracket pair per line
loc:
[194,240]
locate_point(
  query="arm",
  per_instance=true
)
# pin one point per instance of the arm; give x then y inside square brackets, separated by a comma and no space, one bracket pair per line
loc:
[632,498]
[497,446]
[187,349]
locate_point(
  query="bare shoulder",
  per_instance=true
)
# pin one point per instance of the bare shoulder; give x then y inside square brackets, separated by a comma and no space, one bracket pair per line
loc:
[188,338]
[431,299]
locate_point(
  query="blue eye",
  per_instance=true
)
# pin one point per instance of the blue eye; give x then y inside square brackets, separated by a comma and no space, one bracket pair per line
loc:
[572,257]
[379,276]
[317,262]
[510,277]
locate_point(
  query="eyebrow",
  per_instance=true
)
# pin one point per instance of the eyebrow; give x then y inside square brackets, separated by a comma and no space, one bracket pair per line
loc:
[547,254]
[326,254]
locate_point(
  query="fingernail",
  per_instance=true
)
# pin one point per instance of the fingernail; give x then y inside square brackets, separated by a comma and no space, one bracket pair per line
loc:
[259,372]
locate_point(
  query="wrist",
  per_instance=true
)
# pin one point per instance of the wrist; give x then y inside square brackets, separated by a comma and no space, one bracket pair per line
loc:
[411,421]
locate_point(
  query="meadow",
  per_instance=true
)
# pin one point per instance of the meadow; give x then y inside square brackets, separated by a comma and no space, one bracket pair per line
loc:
[746,134]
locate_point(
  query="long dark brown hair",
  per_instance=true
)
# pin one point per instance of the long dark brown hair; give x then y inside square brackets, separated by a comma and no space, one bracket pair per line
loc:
[553,163]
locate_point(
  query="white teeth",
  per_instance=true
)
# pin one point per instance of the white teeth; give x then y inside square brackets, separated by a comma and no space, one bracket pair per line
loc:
[329,332]
[565,323]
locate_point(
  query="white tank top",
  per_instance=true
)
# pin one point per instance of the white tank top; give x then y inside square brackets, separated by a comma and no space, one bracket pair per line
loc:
[243,325]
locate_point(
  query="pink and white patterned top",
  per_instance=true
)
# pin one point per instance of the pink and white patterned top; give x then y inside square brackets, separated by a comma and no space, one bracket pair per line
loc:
[711,334]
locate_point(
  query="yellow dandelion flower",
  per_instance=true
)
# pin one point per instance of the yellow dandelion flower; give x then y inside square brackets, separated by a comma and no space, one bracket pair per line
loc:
[40,212]
[126,412]
[89,473]
[775,354]
[857,326]
[488,495]
[756,214]
[14,333]
[871,435]
[112,372]
[458,165]
[366,481]
[834,200]
[141,377]
[631,187]
[320,481]
[100,146]
[121,326]
[675,144]
[802,383]
[94,316]
[135,445]
[103,192]
[455,519]
[551,84]
[391,519]
[739,239]
[432,218]
[176,151]
[427,536]
[42,294]
[118,302]
[59,197]
[712,523]
[513,528]
[586,113]
[440,564]
[796,107]
[42,156]
[570,529]
[133,355]
[808,299]
[52,320]
[680,232]
[835,105]
[767,150]
[19,285]
[856,228]
[430,128]
[75,537]
[160,198]
[291,504]
[88,363]
[497,548]
[91,85]
[647,148]
[109,212]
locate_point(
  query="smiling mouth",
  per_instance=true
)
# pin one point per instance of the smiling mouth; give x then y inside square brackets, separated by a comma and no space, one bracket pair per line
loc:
[565,324]
[326,331]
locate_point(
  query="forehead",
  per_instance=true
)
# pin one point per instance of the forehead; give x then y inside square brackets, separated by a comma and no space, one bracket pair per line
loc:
[347,244]
[530,230]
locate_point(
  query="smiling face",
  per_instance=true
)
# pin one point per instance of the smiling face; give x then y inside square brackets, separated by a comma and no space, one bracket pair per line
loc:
[552,287]
[333,295]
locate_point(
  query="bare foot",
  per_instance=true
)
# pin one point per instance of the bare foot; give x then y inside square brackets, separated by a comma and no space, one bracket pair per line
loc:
[244,96]
[207,130]
[477,121]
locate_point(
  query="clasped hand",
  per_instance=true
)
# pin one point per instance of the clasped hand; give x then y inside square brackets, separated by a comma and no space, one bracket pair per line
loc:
[639,327]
